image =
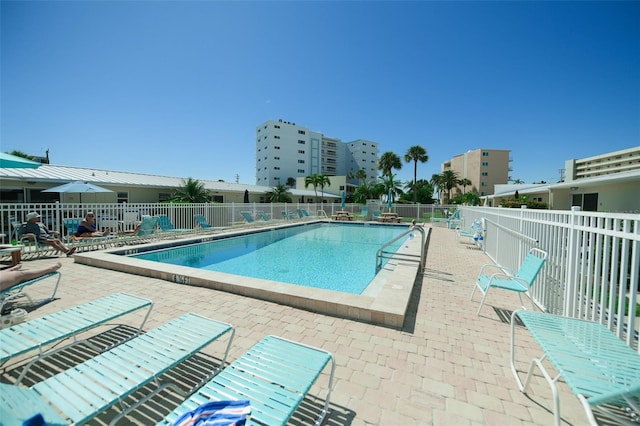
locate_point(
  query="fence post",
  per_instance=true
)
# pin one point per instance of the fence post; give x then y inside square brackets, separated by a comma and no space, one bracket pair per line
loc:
[571,265]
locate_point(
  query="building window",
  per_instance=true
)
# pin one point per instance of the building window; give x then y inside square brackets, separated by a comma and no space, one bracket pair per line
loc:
[301,171]
[485,173]
[164,196]
[300,161]
[276,168]
[485,164]
[302,132]
[276,126]
[485,154]
[301,151]
[123,197]
[276,147]
[276,137]
[483,184]
[301,142]
[276,158]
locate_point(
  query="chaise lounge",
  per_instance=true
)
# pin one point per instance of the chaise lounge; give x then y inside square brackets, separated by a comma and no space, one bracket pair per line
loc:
[274,375]
[79,394]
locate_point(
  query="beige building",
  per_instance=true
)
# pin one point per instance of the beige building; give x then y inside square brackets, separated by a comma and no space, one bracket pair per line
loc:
[483,167]
[604,183]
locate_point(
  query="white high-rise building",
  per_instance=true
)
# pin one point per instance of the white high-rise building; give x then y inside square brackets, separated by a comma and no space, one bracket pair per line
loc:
[285,150]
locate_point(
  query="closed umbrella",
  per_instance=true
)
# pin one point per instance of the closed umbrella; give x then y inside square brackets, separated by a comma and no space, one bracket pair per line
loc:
[8,161]
[246,195]
[77,187]
[342,200]
[390,199]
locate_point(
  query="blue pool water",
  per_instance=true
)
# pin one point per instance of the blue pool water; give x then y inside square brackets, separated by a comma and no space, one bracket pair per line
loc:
[329,256]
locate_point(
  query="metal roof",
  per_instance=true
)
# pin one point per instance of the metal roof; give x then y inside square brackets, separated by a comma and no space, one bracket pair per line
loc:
[55,175]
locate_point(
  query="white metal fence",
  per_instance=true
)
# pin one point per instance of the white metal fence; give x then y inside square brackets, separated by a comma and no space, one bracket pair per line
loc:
[593,268]
[592,271]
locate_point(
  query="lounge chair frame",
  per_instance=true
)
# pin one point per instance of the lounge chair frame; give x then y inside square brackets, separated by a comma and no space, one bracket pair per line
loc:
[274,375]
[39,333]
[18,290]
[83,392]
[598,367]
[506,279]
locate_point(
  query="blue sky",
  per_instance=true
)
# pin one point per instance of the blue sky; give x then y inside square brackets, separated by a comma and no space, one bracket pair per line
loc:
[178,88]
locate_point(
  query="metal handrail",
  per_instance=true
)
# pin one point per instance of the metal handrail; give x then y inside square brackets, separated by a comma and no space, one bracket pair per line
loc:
[382,254]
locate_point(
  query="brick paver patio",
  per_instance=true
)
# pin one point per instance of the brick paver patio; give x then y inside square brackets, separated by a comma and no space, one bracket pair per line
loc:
[447,366]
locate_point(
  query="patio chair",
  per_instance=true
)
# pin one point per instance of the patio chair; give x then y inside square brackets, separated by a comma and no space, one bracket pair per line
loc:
[506,279]
[599,367]
[247,216]
[130,219]
[27,240]
[202,222]
[40,332]
[306,214]
[166,225]
[78,395]
[17,291]
[146,229]
[71,224]
[364,213]
[264,216]
[455,220]
[275,375]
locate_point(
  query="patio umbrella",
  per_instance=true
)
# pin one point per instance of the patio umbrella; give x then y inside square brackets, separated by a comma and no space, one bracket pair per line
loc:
[8,161]
[77,187]
[342,200]
[390,199]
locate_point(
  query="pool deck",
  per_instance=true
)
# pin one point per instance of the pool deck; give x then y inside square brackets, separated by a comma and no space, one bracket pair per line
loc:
[445,366]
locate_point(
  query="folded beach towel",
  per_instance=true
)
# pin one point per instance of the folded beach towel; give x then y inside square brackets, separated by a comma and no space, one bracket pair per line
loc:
[217,413]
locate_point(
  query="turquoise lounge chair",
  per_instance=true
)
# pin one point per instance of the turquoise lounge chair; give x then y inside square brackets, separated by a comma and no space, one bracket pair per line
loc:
[17,291]
[93,242]
[364,213]
[78,395]
[166,225]
[264,216]
[38,333]
[274,375]
[202,222]
[599,368]
[28,240]
[506,279]
[145,231]
[247,216]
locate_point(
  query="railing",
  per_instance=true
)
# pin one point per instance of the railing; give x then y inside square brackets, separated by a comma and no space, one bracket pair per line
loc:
[125,216]
[382,254]
[593,266]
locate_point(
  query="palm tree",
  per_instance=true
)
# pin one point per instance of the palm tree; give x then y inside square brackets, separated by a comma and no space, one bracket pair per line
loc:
[314,180]
[449,180]
[291,182]
[465,182]
[387,162]
[22,155]
[192,191]
[364,192]
[323,180]
[436,183]
[391,183]
[317,181]
[361,175]
[416,153]
[279,194]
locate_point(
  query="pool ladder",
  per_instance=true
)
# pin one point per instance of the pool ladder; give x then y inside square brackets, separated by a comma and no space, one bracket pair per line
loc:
[385,254]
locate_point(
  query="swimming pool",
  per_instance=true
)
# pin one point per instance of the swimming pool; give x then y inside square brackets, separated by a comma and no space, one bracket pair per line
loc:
[384,301]
[329,256]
